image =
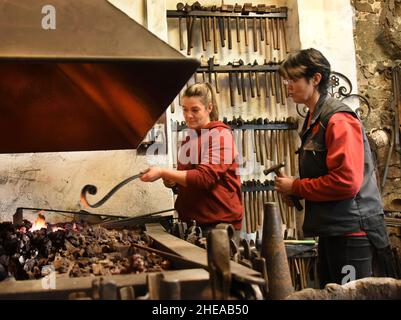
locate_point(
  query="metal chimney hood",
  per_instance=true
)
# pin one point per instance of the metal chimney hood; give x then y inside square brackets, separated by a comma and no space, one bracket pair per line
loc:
[98,81]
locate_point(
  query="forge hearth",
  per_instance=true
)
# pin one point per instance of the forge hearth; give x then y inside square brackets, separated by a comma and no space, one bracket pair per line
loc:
[118,259]
[73,250]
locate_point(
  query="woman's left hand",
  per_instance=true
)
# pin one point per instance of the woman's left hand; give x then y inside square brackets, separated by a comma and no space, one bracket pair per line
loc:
[151,174]
[284,184]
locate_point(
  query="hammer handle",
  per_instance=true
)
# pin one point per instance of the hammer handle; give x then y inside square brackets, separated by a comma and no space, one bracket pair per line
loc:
[246,31]
[267,31]
[243,87]
[278,173]
[237,29]
[180,33]
[220,22]
[214,35]
[297,203]
[230,44]
[231,84]
[254,35]
[203,33]
[257,84]
[284,35]
[238,83]
[294,199]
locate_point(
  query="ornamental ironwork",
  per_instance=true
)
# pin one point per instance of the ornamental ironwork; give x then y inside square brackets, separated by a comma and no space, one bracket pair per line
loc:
[340,87]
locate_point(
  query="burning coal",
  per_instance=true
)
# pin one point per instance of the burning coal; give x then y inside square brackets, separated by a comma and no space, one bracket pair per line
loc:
[76,249]
[40,223]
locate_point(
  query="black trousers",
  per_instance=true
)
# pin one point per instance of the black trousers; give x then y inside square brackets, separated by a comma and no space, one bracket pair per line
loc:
[343,259]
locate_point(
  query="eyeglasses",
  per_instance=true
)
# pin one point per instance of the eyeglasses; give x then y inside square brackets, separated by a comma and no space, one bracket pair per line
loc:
[287,82]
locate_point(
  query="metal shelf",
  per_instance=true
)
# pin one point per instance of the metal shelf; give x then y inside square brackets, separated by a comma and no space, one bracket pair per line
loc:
[257,186]
[198,13]
[243,68]
[267,126]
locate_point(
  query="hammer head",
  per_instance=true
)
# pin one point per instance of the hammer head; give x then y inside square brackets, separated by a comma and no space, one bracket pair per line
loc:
[276,169]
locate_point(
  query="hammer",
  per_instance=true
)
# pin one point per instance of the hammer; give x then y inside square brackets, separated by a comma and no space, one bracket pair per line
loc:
[276,169]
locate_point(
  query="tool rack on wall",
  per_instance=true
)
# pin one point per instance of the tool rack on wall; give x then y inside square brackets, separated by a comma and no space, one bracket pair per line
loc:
[218,22]
[253,78]
[219,31]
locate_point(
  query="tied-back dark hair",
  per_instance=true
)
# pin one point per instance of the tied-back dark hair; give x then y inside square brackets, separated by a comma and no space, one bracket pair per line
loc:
[304,64]
[204,91]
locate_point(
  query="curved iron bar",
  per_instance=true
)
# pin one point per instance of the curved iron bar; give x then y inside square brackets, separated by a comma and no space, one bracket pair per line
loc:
[335,82]
[388,73]
[360,111]
[302,111]
[91,189]
[342,92]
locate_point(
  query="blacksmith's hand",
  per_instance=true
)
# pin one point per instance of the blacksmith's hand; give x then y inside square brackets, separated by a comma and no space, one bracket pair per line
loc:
[151,174]
[169,183]
[283,184]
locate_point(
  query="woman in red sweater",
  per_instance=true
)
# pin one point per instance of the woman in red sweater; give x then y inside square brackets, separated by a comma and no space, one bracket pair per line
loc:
[207,179]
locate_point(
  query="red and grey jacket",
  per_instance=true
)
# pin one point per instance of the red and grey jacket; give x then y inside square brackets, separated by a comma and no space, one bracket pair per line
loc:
[213,191]
[331,209]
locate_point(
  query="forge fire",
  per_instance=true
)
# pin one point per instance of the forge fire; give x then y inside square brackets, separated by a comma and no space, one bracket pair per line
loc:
[73,249]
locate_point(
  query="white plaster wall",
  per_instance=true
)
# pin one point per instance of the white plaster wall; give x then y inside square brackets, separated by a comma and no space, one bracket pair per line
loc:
[55,180]
[328,27]
[135,9]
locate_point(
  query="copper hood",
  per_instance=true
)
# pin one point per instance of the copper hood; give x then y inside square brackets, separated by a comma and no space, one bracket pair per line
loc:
[98,81]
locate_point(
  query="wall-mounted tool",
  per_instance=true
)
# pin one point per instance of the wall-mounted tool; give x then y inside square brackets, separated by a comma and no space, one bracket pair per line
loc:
[180,7]
[214,17]
[212,62]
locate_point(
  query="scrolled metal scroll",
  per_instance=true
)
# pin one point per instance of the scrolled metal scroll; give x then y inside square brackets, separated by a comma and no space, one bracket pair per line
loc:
[302,110]
[91,189]
[340,87]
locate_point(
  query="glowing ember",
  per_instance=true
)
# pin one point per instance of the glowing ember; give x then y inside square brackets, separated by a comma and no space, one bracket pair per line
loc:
[39,223]
[55,228]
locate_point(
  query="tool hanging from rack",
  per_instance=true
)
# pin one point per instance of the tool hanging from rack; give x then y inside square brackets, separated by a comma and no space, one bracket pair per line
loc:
[244,80]
[261,141]
[268,25]
[254,194]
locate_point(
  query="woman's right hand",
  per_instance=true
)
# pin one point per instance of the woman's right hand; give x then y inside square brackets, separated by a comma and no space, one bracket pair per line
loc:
[151,174]
[169,183]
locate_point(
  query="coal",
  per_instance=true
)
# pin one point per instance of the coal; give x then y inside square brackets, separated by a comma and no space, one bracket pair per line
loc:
[75,249]
[3,272]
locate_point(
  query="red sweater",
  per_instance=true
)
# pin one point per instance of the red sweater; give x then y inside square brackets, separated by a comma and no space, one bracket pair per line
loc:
[213,191]
[344,161]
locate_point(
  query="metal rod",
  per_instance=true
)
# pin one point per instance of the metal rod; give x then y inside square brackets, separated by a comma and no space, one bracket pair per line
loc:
[91,189]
